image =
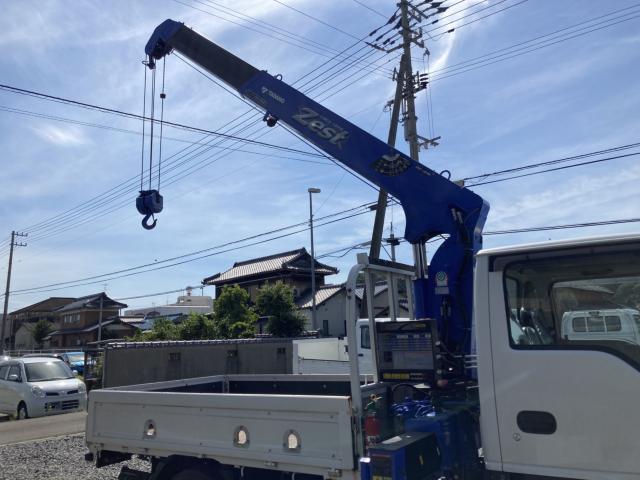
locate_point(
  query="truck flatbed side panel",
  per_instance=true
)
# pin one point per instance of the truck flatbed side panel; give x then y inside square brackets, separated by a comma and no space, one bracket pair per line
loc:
[204,425]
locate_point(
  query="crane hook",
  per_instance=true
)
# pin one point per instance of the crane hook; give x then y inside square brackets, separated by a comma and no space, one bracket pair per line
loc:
[148,203]
[145,220]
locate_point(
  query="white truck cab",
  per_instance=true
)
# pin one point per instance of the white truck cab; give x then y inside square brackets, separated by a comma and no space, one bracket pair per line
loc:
[619,324]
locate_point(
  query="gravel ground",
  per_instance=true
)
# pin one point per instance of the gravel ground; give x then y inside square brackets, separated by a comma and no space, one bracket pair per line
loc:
[59,458]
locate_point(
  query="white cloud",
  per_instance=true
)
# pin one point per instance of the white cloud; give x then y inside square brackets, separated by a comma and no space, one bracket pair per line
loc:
[63,136]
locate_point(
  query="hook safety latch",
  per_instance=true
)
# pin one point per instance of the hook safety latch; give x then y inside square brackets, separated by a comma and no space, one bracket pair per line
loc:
[148,203]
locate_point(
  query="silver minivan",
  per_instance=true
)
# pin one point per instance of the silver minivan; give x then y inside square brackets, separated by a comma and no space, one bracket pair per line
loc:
[615,324]
[38,386]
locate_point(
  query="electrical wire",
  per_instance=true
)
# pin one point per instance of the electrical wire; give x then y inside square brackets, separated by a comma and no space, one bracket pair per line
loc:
[32,93]
[303,76]
[369,8]
[329,54]
[333,27]
[554,162]
[45,288]
[564,167]
[601,223]
[92,205]
[472,64]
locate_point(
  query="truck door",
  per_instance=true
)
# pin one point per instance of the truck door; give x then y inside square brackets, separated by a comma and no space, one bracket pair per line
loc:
[566,408]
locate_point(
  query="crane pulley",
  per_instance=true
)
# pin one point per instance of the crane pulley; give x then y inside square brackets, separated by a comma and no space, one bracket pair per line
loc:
[149,201]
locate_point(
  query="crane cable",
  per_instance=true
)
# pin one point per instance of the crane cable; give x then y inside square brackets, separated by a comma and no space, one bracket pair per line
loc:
[150,202]
[163,95]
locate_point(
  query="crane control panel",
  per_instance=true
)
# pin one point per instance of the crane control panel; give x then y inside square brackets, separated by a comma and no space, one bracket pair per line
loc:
[407,351]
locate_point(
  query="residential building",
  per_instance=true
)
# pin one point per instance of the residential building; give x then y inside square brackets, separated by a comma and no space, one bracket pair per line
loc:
[293,268]
[185,305]
[331,307]
[78,322]
[21,322]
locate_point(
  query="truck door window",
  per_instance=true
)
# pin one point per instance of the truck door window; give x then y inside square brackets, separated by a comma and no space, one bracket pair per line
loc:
[579,324]
[589,301]
[365,339]
[595,324]
[613,323]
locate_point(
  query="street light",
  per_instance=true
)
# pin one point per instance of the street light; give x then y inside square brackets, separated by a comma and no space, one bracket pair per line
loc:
[313,260]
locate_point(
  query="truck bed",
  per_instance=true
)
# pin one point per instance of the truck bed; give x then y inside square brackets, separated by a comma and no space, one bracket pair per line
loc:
[199,417]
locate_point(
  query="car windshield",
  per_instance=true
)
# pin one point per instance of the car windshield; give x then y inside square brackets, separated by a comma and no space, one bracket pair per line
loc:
[76,357]
[43,371]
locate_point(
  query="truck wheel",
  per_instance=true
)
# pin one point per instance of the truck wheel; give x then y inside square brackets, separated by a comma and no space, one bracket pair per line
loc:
[196,473]
[22,412]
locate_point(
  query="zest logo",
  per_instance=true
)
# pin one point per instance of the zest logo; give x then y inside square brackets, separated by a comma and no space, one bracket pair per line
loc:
[321,126]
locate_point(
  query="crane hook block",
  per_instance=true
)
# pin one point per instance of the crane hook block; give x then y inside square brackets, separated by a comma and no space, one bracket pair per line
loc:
[148,203]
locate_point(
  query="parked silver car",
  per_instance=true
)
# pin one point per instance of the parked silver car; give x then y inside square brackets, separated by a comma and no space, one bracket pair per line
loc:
[38,386]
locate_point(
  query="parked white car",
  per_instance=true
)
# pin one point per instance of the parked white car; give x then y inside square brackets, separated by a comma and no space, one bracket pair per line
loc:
[38,386]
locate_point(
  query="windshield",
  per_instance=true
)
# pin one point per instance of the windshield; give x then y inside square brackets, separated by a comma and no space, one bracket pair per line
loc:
[43,371]
[76,357]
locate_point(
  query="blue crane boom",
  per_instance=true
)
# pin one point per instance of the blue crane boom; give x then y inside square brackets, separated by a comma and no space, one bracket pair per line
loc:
[433,205]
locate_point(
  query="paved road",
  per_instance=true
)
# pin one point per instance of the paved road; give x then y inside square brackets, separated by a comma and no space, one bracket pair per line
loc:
[16,431]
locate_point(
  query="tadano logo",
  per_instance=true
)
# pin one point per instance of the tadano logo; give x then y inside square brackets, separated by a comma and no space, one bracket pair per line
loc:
[272,94]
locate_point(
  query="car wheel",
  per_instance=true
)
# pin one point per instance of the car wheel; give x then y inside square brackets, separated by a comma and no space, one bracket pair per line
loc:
[22,412]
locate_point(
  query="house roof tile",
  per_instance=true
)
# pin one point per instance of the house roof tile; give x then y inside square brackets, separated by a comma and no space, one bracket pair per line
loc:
[323,293]
[280,262]
[92,301]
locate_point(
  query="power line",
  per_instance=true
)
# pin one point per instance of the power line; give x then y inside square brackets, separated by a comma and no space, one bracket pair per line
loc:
[263,24]
[554,162]
[147,295]
[37,289]
[564,29]
[32,93]
[502,232]
[333,27]
[92,205]
[563,227]
[402,240]
[72,121]
[198,252]
[472,64]
[564,167]
[428,32]
[116,191]
[369,8]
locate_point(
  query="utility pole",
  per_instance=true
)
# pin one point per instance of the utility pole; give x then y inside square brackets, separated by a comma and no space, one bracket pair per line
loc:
[405,98]
[100,317]
[314,324]
[14,234]
[378,223]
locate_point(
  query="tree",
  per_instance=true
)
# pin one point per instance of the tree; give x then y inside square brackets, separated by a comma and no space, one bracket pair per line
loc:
[628,295]
[41,329]
[197,326]
[233,317]
[276,302]
[163,329]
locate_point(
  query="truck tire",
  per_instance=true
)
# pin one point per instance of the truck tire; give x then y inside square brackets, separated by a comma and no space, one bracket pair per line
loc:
[196,472]
[21,412]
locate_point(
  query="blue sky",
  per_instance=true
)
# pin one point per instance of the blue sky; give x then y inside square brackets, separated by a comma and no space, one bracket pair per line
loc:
[574,97]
